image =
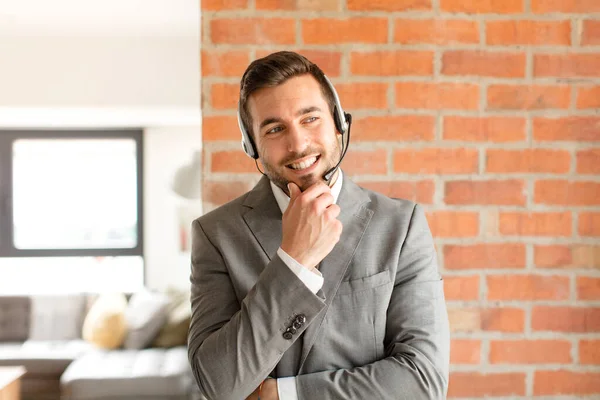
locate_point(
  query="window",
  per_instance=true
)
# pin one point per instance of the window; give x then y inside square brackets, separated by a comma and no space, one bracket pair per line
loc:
[71,193]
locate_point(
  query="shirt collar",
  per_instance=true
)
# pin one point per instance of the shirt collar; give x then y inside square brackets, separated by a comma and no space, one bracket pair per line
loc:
[283,200]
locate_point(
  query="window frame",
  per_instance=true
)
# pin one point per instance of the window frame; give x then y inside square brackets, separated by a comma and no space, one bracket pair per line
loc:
[8,137]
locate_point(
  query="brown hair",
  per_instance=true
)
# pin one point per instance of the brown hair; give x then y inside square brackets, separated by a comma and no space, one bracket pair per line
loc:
[274,70]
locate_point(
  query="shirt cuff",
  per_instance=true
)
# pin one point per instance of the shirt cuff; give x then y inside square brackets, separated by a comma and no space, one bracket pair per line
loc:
[286,388]
[312,279]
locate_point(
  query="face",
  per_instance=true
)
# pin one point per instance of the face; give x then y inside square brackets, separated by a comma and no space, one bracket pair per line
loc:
[294,132]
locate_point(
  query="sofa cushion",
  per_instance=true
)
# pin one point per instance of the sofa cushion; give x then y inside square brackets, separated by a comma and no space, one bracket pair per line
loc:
[42,357]
[14,318]
[146,313]
[104,325]
[118,374]
[57,317]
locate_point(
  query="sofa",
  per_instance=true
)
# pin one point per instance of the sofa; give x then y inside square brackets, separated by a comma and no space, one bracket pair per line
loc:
[44,334]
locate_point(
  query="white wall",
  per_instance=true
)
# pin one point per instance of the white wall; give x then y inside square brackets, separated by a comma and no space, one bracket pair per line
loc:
[93,82]
[99,72]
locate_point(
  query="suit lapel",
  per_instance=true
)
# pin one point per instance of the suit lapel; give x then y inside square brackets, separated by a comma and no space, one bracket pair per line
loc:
[264,217]
[355,218]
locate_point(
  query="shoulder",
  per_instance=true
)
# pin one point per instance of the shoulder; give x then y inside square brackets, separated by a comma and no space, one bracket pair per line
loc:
[381,203]
[222,215]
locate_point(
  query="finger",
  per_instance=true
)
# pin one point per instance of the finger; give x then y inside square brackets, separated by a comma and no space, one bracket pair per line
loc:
[333,211]
[315,190]
[322,202]
[293,190]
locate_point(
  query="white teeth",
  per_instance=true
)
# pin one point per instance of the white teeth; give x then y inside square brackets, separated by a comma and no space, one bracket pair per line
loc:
[304,164]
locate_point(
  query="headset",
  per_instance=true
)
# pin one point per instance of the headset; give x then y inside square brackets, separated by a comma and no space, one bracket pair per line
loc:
[342,121]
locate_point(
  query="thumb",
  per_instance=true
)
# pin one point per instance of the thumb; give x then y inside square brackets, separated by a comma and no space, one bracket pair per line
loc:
[293,189]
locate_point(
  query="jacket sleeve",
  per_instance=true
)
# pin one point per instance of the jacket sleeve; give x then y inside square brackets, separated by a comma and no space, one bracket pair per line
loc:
[417,335]
[233,345]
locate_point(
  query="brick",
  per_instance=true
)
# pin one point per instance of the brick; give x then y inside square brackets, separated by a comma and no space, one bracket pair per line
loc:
[224,63]
[386,5]
[328,61]
[437,96]
[505,192]
[528,161]
[453,223]
[464,288]
[484,129]
[565,382]
[482,6]
[589,223]
[218,193]
[483,63]
[555,192]
[528,97]
[350,30]
[590,35]
[484,256]
[567,256]
[220,128]
[508,320]
[253,30]
[420,191]
[589,352]
[584,129]
[224,95]
[397,128]
[299,5]
[363,95]
[475,384]
[436,31]
[527,287]
[566,6]
[524,32]
[569,65]
[588,161]
[530,352]
[232,161]
[391,63]
[465,351]
[565,319]
[366,162]
[436,161]
[218,5]
[535,223]
[588,97]
[588,288]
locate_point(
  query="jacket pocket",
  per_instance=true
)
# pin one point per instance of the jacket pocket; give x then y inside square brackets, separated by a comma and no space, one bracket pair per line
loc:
[368,282]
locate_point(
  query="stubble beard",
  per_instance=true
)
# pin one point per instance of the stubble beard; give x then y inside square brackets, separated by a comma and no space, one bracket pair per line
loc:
[306,181]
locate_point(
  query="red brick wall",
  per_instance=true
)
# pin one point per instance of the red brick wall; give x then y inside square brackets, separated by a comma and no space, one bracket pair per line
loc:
[487,113]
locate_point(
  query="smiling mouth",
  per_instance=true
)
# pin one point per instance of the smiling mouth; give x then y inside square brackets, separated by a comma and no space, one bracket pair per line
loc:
[306,163]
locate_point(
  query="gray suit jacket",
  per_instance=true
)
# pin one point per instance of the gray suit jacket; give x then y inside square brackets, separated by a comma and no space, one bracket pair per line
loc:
[378,329]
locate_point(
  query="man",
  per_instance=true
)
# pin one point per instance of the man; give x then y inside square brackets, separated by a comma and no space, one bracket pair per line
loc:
[309,286]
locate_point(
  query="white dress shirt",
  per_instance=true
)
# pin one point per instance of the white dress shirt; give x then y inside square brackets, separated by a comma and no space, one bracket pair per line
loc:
[286,387]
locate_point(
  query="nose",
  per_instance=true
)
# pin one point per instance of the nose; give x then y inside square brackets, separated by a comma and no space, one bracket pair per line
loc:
[297,139]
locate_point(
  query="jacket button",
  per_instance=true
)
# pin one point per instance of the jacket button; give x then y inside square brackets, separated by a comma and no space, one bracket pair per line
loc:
[297,325]
[287,335]
[292,330]
[301,318]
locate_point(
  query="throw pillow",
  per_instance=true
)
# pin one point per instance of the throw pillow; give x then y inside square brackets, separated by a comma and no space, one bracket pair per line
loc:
[175,331]
[145,315]
[104,325]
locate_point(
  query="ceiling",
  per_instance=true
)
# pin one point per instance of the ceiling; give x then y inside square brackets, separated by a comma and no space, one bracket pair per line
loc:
[100,17]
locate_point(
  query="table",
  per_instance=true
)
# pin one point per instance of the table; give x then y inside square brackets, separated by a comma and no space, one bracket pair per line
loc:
[10,382]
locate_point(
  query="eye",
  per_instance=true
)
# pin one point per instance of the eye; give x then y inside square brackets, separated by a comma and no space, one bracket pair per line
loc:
[274,130]
[310,119]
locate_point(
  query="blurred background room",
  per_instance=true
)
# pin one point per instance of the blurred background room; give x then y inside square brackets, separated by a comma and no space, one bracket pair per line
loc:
[486,112]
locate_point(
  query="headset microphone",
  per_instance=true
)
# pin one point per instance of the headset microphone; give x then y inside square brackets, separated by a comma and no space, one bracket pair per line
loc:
[329,174]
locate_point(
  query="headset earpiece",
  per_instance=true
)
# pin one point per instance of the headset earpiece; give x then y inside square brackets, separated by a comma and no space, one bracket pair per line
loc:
[247,142]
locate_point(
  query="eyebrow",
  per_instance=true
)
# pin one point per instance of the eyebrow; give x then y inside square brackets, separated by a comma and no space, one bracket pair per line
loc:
[300,112]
